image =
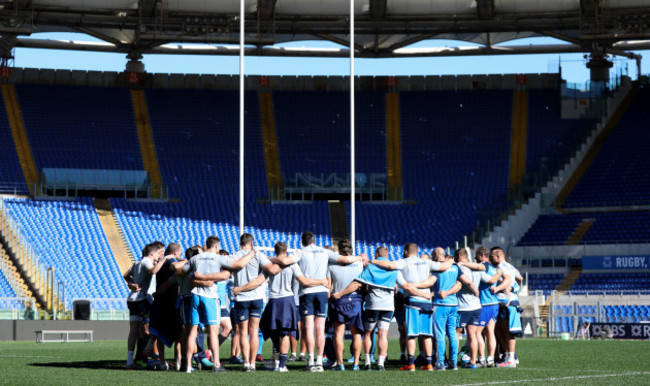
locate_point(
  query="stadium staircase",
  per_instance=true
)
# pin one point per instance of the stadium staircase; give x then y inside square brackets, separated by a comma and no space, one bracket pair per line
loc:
[338,221]
[544,310]
[519,135]
[147,145]
[114,235]
[270,140]
[569,279]
[19,134]
[580,231]
[393,147]
[19,285]
[595,148]
[29,272]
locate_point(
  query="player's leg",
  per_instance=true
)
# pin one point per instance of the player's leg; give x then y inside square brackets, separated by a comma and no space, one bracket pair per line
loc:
[190,346]
[357,335]
[480,346]
[285,343]
[293,342]
[412,334]
[308,332]
[235,346]
[320,312]
[256,309]
[490,337]
[244,342]
[382,338]
[134,332]
[319,330]
[452,322]
[472,338]
[226,326]
[339,335]
[439,326]
[253,331]
[370,322]
[213,316]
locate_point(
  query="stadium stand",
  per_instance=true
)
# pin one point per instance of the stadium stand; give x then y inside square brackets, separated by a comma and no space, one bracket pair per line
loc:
[11,177]
[313,130]
[5,289]
[622,162]
[546,282]
[94,126]
[198,155]
[550,139]
[454,164]
[79,254]
[612,283]
[608,227]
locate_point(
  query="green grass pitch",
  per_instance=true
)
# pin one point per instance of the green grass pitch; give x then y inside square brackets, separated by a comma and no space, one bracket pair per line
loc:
[542,362]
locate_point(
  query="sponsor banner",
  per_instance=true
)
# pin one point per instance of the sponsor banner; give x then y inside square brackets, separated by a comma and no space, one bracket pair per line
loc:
[616,262]
[620,330]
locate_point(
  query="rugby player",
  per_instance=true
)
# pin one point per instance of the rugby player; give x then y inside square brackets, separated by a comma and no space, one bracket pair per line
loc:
[415,270]
[313,261]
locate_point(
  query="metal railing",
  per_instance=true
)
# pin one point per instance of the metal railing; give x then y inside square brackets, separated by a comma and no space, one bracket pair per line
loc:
[26,256]
[14,308]
[577,318]
[13,188]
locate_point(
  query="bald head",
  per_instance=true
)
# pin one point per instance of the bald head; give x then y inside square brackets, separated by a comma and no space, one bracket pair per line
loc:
[439,254]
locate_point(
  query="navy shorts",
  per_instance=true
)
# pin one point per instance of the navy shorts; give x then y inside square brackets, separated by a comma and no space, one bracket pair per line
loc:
[469,318]
[225,313]
[314,304]
[139,311]
[347,310]
[279,317]
[186,310]
[248,309]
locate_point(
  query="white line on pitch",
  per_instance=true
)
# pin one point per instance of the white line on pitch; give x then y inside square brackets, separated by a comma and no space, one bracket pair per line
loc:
[558,378]
[28,356]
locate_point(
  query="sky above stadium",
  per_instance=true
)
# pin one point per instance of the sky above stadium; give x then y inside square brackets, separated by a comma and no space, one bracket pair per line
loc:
[572,65]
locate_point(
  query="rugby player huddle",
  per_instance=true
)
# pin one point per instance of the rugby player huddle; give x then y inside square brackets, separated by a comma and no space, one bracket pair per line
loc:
[314,290]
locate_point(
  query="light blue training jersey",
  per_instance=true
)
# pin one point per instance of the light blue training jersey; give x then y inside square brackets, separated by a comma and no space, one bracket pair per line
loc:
[486,296]
[445,281]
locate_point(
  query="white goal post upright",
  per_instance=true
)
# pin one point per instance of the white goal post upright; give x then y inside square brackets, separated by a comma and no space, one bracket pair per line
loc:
[352,151]
[241,117]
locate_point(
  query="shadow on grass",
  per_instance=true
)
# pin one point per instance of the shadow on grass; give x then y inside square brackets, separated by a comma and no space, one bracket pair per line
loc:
[93,365]
[119,365]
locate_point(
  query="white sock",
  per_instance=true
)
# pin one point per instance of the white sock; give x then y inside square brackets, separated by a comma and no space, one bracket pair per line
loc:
[129,357]
[512,356]
[311,359]
[319,360]
[293,353]
[481,359]
[367,359]
[380,361]
[490,359]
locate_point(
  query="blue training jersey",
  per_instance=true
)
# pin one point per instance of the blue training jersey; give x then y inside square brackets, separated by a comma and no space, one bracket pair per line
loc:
[445,281]
[487,297]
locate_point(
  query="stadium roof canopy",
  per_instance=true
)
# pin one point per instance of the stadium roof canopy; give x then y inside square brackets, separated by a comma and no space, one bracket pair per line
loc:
[383,28]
